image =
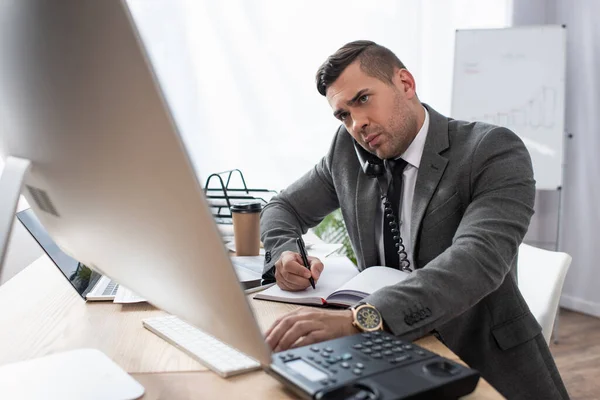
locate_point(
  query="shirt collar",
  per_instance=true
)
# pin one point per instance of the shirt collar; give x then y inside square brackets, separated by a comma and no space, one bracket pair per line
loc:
[413,154]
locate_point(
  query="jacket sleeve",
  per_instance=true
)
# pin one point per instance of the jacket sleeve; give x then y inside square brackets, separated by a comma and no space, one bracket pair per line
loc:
[296,209]
[483,247]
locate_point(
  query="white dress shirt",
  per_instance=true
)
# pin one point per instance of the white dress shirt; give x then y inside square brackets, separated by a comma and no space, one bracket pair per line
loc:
[412,156]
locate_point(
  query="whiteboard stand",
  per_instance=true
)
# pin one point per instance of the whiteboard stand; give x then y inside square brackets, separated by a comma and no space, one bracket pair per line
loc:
[558,228]
[554,334]
[559,218]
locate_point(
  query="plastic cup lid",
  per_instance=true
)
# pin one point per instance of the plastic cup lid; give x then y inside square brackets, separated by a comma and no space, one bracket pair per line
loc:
[248,207]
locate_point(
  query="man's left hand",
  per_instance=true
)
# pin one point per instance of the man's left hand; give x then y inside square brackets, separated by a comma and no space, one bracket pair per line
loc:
[306,326]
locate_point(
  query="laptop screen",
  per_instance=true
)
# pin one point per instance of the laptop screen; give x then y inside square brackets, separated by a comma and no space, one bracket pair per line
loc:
[81,277]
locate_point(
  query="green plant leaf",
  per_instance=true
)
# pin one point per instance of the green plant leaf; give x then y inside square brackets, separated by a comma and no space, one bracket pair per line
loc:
[333,230]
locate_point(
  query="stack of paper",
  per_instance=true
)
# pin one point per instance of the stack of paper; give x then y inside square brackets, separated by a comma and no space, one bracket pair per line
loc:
[126,296]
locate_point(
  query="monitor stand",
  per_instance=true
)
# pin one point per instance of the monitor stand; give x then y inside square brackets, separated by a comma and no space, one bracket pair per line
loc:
[83,374]
[11,182]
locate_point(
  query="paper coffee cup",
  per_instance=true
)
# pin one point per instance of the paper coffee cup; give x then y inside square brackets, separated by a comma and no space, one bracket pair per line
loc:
[246,228]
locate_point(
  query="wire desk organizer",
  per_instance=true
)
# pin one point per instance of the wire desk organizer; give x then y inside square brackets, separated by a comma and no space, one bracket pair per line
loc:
[223,196]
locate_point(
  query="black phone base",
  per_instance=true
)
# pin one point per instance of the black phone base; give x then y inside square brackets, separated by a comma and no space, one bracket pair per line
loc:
[371,366]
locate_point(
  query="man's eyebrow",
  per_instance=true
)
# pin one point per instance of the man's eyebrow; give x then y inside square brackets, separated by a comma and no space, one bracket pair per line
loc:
[357,96]
[337,113]
[350,102]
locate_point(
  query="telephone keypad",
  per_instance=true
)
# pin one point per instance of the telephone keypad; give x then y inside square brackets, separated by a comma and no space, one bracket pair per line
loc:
[372,348]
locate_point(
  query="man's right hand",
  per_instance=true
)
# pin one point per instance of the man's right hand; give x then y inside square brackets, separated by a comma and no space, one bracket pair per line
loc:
[292,275]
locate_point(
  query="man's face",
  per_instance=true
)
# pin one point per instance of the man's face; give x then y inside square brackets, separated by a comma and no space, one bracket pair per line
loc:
[379,116]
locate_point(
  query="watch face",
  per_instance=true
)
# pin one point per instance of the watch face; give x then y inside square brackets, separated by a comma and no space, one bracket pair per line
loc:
[368,318]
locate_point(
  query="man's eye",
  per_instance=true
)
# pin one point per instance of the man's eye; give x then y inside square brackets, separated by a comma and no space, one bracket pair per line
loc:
[343,116]
[363,99]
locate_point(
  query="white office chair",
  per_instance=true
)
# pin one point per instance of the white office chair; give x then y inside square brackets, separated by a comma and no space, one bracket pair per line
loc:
[541,274]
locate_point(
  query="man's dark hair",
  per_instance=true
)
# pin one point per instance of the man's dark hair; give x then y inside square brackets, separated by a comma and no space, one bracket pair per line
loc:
[375,60]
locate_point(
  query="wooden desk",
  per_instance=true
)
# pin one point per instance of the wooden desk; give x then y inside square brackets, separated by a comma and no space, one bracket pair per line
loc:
[41,314]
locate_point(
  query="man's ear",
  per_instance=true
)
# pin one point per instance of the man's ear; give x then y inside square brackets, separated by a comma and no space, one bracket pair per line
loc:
[397,78]
[405,82]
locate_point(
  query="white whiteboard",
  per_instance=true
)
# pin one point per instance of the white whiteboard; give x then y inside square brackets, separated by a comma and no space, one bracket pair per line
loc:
[515,77]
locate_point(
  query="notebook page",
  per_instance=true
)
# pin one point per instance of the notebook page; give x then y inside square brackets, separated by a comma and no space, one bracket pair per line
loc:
[372,279]
[337,271]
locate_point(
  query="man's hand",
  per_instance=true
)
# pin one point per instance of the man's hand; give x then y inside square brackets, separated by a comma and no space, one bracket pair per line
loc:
[307,326]
[292,275]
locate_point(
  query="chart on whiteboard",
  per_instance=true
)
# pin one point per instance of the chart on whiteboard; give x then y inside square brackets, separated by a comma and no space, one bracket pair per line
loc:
[515,78]
[530,119]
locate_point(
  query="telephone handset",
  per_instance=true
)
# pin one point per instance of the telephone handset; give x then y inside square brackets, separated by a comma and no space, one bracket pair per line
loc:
[375,167]
[370,163]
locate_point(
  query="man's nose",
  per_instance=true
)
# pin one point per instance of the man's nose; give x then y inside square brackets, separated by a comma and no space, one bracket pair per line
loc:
[360,123]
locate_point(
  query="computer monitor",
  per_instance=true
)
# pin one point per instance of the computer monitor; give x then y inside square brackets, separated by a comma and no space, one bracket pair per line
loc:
[110,178]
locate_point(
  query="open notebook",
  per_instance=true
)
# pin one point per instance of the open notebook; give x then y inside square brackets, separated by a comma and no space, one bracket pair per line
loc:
[340,284]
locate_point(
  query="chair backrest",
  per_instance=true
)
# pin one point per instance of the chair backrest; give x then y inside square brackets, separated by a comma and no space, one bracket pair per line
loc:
[541,274]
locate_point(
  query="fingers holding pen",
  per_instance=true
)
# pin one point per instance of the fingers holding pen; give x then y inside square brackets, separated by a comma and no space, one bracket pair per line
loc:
[292,275]
[316,267]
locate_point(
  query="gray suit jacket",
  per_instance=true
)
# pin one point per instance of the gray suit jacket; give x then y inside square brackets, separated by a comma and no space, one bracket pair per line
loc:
[472,204]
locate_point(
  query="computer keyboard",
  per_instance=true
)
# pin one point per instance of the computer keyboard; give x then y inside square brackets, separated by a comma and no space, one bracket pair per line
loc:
[111,289]
[212,353]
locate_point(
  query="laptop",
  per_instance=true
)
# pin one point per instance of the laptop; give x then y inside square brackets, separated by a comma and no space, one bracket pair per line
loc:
[93,286]
[89,284]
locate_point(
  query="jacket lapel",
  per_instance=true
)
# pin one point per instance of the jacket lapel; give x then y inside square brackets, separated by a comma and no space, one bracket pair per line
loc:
[430,172]
[367,201]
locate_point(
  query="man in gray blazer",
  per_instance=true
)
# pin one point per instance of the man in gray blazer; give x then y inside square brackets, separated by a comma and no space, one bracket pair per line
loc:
[466,202]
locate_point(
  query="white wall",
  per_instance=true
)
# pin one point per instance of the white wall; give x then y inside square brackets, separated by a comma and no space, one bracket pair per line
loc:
[239,75]
[581,195]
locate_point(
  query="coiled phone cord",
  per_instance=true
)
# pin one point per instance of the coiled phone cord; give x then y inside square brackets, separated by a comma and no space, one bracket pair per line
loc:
[393,225]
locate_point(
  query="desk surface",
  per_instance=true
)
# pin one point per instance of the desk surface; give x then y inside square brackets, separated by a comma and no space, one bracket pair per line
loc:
[41,314]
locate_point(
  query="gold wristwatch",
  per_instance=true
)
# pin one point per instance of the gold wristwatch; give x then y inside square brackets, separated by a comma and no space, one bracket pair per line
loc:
[367,318]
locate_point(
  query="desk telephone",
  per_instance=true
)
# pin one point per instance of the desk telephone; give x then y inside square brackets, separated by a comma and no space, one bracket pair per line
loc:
[370,366]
